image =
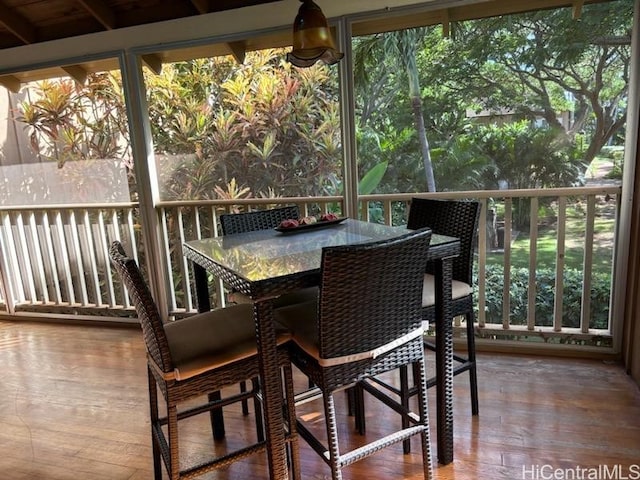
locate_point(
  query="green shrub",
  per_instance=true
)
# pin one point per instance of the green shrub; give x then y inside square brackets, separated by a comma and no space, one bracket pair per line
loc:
[545,294]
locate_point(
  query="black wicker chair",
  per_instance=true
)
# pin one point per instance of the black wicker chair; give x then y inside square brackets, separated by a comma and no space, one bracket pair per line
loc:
[191,358]
[456,218]
[367,321]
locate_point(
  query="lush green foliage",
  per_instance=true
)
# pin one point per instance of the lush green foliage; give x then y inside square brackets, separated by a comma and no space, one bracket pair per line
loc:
[78,128]
[545,295]
[512,155]
[261,128]
[502,69]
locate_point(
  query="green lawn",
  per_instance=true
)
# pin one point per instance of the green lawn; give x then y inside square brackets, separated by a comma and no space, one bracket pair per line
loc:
[574,244]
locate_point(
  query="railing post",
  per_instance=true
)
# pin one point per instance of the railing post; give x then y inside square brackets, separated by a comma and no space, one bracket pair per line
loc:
[533,263]
[560,249]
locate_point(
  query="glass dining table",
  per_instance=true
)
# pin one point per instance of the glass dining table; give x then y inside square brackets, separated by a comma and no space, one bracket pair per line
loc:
[268,263]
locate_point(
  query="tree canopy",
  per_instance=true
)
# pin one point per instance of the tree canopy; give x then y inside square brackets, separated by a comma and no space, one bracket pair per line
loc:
[524,100]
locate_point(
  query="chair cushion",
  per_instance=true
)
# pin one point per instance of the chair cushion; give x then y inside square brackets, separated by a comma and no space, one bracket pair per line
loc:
[300,296]
[212,339]
[300,320]
[458,290]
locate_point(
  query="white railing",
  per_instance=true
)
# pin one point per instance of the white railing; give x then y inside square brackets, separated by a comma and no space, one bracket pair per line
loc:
[54,259]
[598,203]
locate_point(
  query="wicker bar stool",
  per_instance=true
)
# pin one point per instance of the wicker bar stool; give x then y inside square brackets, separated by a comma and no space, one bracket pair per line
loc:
[456,218]
[193,358]
[367,321]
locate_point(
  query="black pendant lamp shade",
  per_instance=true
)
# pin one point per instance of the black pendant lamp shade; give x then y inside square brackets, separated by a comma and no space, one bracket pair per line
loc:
[312,40]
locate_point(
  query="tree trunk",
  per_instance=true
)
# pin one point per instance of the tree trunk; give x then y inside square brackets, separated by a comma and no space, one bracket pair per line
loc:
[416,105]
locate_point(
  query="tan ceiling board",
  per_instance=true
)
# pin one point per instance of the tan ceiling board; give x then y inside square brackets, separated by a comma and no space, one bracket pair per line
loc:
[10,82]
[275,40]
[153,63]
[238,50]
[503,7]
[390,24]
[56,72]
[101,12]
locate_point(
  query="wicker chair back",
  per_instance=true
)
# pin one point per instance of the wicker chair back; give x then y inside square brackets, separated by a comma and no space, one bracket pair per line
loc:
[153,332]
[454,218]
[370,293]
[258,220]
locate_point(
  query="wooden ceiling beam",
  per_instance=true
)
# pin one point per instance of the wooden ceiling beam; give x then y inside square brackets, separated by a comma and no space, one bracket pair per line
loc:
[17,25]
[238,50]
[101,12]
[11,83]
[446,23]
[473,11]
[201,5]
[76,72]
[153,63]
[577,9]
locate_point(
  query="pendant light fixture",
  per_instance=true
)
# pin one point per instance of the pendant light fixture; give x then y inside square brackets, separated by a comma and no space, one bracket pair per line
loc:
[312,40]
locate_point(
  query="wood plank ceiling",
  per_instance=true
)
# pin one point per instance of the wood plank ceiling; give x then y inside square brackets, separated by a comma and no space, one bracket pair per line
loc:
[24,22]
[29,22]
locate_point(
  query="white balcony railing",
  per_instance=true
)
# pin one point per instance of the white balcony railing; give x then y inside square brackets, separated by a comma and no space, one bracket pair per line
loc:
[54,258]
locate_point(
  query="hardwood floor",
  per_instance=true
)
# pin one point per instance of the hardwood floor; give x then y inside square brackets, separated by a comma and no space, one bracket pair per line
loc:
[73,406]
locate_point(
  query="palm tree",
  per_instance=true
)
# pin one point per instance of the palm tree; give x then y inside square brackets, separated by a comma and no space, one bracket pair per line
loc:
[399,51]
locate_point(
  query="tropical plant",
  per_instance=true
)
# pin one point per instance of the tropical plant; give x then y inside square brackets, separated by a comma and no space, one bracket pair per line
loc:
[274,129]
[78,127]
[67,121]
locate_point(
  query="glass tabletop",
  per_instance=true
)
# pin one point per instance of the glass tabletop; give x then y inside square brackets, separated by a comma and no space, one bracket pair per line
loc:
[266,254]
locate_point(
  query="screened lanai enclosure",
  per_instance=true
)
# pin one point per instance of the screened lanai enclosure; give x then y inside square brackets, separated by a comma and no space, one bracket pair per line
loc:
[147,135]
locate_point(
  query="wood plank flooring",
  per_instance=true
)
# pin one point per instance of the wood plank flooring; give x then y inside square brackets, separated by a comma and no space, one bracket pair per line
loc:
[73,406]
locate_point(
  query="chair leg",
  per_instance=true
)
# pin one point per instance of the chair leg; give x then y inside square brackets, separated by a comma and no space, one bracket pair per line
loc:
[423,410]
[257,409]
[332,435]
[153,414]
[404,401]
[358,409]
[172,429]
[471,355]
[351,403]
[245,404]
[217,420]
